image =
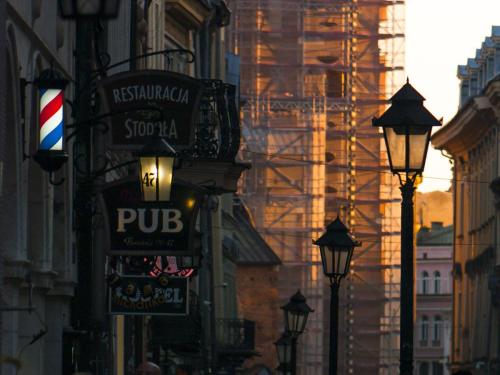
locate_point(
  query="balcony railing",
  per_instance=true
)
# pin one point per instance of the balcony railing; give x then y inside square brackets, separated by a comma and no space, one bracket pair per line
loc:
[235,335]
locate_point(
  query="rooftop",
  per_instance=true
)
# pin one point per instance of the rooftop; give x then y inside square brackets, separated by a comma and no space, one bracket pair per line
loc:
[436,235]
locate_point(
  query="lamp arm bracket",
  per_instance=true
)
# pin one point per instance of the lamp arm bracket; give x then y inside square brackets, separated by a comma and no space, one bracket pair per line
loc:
[107,170]
[106,67]
[166,52]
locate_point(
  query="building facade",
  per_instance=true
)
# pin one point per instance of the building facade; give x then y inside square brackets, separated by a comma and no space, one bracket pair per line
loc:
[434,299]
[54,317]
[39,270]
[471,138]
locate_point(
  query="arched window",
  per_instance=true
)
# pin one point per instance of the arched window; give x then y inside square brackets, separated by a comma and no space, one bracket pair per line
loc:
[437,282]
[437,329]
[425,282]
[424,369]
[424,330]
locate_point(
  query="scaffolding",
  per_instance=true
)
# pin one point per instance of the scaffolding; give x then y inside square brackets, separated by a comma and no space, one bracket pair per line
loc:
[313,75]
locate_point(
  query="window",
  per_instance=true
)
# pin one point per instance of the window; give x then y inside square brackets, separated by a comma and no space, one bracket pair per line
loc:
[423,369]
[424,330]
[437,282]
[425,282]
[437,329]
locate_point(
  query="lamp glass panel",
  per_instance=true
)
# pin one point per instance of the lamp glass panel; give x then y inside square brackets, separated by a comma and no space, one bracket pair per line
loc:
[343,259]
[280,348]
[149,178]
[88,7]
[292,321]
[288,352]
[302,322]
[284,350]
[327,259]
[51,119]
[166,166]
[395,139]
[419,139]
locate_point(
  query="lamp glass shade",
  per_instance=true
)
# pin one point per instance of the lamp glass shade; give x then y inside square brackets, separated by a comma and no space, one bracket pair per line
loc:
[156,177]
[396,148]
[336,260]
[407,147]
[295,321]
[419,141]
[284,349]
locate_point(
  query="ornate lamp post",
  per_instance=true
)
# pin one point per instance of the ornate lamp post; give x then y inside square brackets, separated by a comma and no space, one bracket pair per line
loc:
[407,126]
[336,247]
[296,312]
[284,350]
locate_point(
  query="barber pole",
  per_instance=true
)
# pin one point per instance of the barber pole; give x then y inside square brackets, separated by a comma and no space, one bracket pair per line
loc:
[51,119]
[51,155]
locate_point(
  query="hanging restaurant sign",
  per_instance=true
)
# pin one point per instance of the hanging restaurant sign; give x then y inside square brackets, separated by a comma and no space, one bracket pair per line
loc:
[145,103]
[143,295]
[137,227]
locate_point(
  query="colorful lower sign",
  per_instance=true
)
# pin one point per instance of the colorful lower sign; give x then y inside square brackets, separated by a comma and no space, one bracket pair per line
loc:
[143,295]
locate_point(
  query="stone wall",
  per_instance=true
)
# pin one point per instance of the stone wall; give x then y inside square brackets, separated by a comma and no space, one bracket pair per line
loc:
[257,293]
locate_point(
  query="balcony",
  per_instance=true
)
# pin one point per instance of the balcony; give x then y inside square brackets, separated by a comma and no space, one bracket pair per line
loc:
[235,341]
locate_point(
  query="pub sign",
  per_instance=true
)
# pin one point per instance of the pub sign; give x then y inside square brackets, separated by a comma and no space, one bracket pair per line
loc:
[131,97]
[143,295]
[136,227]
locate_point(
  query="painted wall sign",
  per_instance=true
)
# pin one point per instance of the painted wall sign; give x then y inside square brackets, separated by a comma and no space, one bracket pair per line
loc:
[129,94]
[136,227]
[143,295]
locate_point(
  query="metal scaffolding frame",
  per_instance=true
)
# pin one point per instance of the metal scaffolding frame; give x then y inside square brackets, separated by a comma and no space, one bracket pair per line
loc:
[313,75]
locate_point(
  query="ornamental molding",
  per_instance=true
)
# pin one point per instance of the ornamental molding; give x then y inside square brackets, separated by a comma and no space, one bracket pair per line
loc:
[468,126]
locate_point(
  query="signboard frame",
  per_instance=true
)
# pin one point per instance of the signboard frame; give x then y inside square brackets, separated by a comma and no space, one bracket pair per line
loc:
[183,280]
[132,100]
[149,244]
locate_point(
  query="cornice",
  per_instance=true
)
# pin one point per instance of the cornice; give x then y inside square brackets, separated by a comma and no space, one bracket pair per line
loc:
[468,126]
[193,12]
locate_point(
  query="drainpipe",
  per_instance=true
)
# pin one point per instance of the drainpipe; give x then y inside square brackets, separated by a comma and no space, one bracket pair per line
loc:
[206,46]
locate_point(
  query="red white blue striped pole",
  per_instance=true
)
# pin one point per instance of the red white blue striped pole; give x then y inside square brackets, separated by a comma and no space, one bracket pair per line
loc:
[51,119]
[51,155]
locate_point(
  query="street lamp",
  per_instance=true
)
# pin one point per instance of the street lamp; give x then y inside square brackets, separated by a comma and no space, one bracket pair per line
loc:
[296,312]
[104,9]
[157,160]
[336,247]
[284,350]
[50,154]
[407,126]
